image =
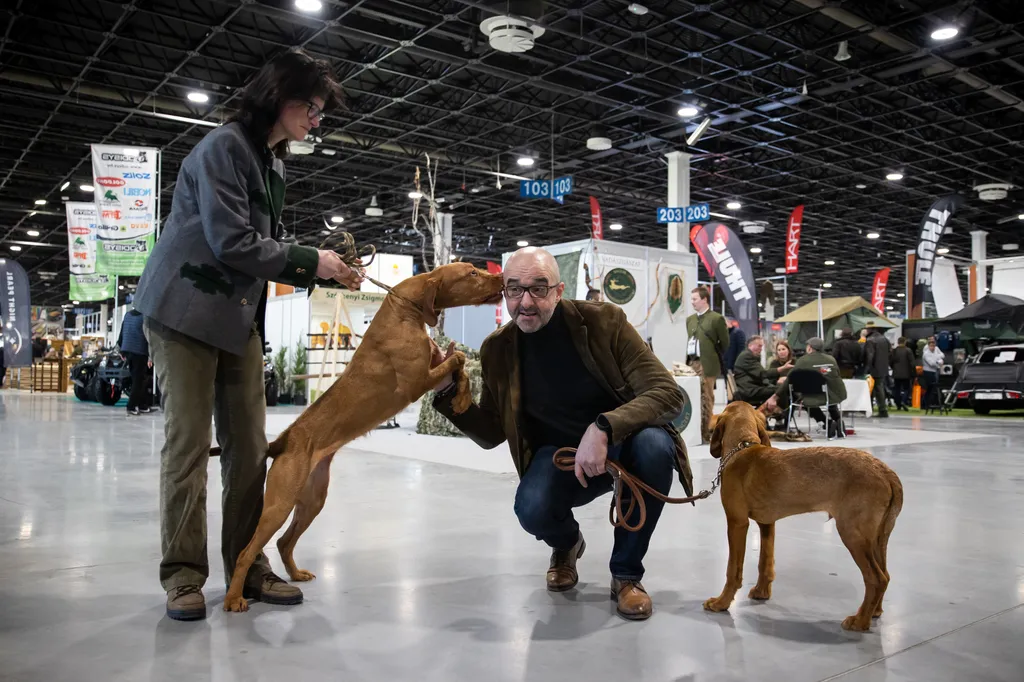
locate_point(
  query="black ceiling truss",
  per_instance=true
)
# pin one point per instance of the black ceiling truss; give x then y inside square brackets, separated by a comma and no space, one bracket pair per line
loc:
[420,78]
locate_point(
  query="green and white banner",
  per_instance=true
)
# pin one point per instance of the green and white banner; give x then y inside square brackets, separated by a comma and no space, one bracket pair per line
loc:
[125,186]
[86,283]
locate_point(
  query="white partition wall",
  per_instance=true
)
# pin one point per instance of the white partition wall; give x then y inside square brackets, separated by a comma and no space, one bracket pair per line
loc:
[287,321]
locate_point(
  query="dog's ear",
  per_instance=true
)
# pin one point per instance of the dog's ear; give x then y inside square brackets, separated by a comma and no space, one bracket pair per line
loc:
[427,302]
[762,430]
[713,422]
[716,438]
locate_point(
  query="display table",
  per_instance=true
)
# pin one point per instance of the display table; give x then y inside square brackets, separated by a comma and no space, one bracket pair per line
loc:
[858,397]
[688,421]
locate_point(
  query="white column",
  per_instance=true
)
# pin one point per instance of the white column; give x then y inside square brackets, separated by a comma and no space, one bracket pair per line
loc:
[678,195]
[443,246]
[979,244]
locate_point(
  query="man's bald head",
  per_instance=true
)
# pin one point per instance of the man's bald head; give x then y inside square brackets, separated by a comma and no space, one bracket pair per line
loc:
[529,273]
[535,260]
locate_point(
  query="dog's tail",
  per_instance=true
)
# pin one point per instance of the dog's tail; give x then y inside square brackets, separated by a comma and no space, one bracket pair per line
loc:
[275,449]
[895,506]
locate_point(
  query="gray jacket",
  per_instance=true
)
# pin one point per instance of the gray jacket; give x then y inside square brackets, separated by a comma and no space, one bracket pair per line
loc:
[222,242]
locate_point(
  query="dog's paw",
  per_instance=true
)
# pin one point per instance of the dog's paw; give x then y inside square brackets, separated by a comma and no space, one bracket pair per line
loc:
[854,624]
[878,612]
[236,604]
[762,593]
[460,358]
[715,604]
[464,395]
[301,576]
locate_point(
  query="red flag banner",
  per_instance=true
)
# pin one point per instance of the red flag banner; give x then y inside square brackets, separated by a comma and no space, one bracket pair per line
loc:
[878,289]
[796,220]
[596,227]
[495,269]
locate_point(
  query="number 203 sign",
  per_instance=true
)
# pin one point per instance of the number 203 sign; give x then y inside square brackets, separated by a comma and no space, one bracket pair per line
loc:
[684,214]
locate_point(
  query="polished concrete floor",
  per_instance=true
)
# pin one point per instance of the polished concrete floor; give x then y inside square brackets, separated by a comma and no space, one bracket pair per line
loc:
[424,573]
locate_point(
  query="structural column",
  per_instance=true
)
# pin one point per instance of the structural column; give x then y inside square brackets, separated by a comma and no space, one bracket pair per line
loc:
[978,283]
[443,246]
[678,195]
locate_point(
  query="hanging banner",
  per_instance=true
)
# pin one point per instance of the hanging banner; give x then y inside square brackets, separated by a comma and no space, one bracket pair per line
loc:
[125,186]
[15,315]
[878,290]
[86,283]
[596,227]
[796,219]
[495,269]
[723,255]
[932,228]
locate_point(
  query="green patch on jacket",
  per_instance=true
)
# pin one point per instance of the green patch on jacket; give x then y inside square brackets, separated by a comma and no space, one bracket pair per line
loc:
[258,199]
[207,279]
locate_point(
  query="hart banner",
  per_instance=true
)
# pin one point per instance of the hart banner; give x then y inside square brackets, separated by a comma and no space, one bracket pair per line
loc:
[793,239]
[878,289]
[932,227]
[495,269]
[723,255]
[15,315]
[125,186]
[596,227]
[86,283]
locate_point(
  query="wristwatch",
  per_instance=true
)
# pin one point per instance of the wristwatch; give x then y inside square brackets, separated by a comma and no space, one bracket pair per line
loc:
[602,423]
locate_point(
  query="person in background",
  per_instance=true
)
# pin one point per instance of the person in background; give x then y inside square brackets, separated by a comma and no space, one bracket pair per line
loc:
[737,342]
[204,295]
[815,360]
[708,339]
[782,358]
[877,354]
[135,348]
[904,368]
[932,360]
[848,352]
[754,383]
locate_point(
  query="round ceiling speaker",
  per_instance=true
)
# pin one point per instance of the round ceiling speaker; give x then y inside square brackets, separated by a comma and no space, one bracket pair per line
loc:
[599,144]
[510,34]
[753,226]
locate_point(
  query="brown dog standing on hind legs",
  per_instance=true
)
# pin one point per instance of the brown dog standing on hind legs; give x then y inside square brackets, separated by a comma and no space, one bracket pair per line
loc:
[389,371]
[859,491]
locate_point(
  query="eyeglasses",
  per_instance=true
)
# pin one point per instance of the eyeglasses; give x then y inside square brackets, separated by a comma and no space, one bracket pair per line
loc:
[313,111]
[536,290]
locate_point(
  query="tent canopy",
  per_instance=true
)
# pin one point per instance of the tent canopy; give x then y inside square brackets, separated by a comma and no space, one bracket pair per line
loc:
[836,313]
[991,307]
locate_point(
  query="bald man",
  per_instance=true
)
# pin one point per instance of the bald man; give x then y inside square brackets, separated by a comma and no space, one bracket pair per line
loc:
[574,374]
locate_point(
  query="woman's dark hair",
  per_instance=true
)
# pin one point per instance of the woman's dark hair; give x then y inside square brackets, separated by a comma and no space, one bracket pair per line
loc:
[783,342]
[293,75]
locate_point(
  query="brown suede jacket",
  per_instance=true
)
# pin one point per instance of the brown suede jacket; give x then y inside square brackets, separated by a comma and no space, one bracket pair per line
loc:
[614,353]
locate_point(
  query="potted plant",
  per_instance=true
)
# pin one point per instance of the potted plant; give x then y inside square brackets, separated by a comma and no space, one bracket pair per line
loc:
[299,369]
[283,376]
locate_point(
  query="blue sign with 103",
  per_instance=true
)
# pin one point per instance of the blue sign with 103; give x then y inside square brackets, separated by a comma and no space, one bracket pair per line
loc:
[542,189]
[684,214]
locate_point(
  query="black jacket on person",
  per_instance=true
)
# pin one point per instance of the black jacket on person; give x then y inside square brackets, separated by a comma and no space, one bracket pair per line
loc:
[848,353]
[877,352]
[737,344]
[903,364]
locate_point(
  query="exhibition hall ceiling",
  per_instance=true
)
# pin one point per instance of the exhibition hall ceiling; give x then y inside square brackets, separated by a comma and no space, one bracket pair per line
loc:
[811,102]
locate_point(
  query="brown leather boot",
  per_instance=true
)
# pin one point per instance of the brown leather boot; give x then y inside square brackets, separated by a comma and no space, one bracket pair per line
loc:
[562,573]
[270,589]
[186,603]
[634,603]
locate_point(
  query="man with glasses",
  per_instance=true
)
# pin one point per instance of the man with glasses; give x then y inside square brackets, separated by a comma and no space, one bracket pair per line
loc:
[574,374]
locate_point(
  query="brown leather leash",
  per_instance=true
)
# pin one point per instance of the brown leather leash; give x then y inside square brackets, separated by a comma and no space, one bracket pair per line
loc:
[623,479]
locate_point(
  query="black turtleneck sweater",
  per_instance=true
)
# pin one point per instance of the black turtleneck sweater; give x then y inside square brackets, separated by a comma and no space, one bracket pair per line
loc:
[560,397]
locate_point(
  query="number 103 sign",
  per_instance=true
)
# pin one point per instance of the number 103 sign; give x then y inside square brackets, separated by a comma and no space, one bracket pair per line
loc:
[684,214]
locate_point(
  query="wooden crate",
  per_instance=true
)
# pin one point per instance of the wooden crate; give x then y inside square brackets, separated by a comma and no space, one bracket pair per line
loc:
[50,376]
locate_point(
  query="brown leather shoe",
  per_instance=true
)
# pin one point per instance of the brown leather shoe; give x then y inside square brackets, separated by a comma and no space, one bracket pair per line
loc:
[562,573]
[186,603]
[270,589]
[634,603]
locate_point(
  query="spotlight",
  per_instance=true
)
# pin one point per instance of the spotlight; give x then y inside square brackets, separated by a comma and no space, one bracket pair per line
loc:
[688,111]
[198,97]
[873,235]
[945,33]
[615,226]
[734,205]
[894,176]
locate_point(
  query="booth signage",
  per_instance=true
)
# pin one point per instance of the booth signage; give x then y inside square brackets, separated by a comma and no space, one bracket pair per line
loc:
[684,214]
[619,286]
[545,189]
[878,289]
[596,226]
[723,255]
[15,315]
[796,219]
[86,283]
[125,182]
[933,225]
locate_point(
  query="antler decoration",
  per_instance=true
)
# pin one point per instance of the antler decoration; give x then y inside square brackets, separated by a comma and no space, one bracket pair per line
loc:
[350,255]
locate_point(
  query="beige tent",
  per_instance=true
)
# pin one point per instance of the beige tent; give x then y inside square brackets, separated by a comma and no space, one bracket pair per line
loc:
[836,313]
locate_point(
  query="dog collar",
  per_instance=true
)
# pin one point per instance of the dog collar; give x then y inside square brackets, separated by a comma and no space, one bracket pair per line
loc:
[743,445]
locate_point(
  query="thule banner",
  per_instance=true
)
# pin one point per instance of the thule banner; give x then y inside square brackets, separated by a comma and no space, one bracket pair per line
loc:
[125,185]
[796,220]
[723,255]
[86,283]
[596,226]
[15,315]
[878,289]
[932,227]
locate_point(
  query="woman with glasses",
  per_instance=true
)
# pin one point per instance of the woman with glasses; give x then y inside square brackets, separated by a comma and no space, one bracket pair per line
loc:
[203,293]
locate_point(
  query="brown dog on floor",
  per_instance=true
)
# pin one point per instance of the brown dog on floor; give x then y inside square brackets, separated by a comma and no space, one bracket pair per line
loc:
[860,492]
[389,371]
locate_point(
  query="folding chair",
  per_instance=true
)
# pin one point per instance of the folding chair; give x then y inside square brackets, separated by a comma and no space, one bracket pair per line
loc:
[730,385]
[808,383]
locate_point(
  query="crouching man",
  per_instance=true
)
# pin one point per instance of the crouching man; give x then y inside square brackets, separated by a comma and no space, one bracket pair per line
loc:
[574,374]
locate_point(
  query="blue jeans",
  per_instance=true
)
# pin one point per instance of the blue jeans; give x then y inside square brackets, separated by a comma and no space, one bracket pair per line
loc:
[547,495]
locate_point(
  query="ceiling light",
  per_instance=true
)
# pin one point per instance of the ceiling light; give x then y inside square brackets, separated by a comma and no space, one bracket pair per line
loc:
[1010,247]
[373,210]
[894,176]
[780,271]
[599,143]
[121,287]
[525,161]
[86,188]
[474,190]
[873,235]
[688,111]
[615,226]
[67,183]
[33,233]
[328,152]
[75,303]
[862,186]
[734,205]
[15,247]
[522,242]
[40,202]
[889,307]
[945,33]
[942,251]
[637,9]
[755,249]
[830,262]
[826,285]
[308,5]
[1020,217]
[337,219]
[415,195]
[843,53]
[198,97]
[900,295]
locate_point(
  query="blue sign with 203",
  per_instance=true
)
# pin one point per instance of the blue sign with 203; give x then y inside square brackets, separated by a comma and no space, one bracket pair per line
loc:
[545,189]
[684,214]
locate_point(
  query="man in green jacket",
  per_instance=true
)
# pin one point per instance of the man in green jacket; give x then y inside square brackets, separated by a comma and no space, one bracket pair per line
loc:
[574,374]
[754,383]
[708,339]
[816,360]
